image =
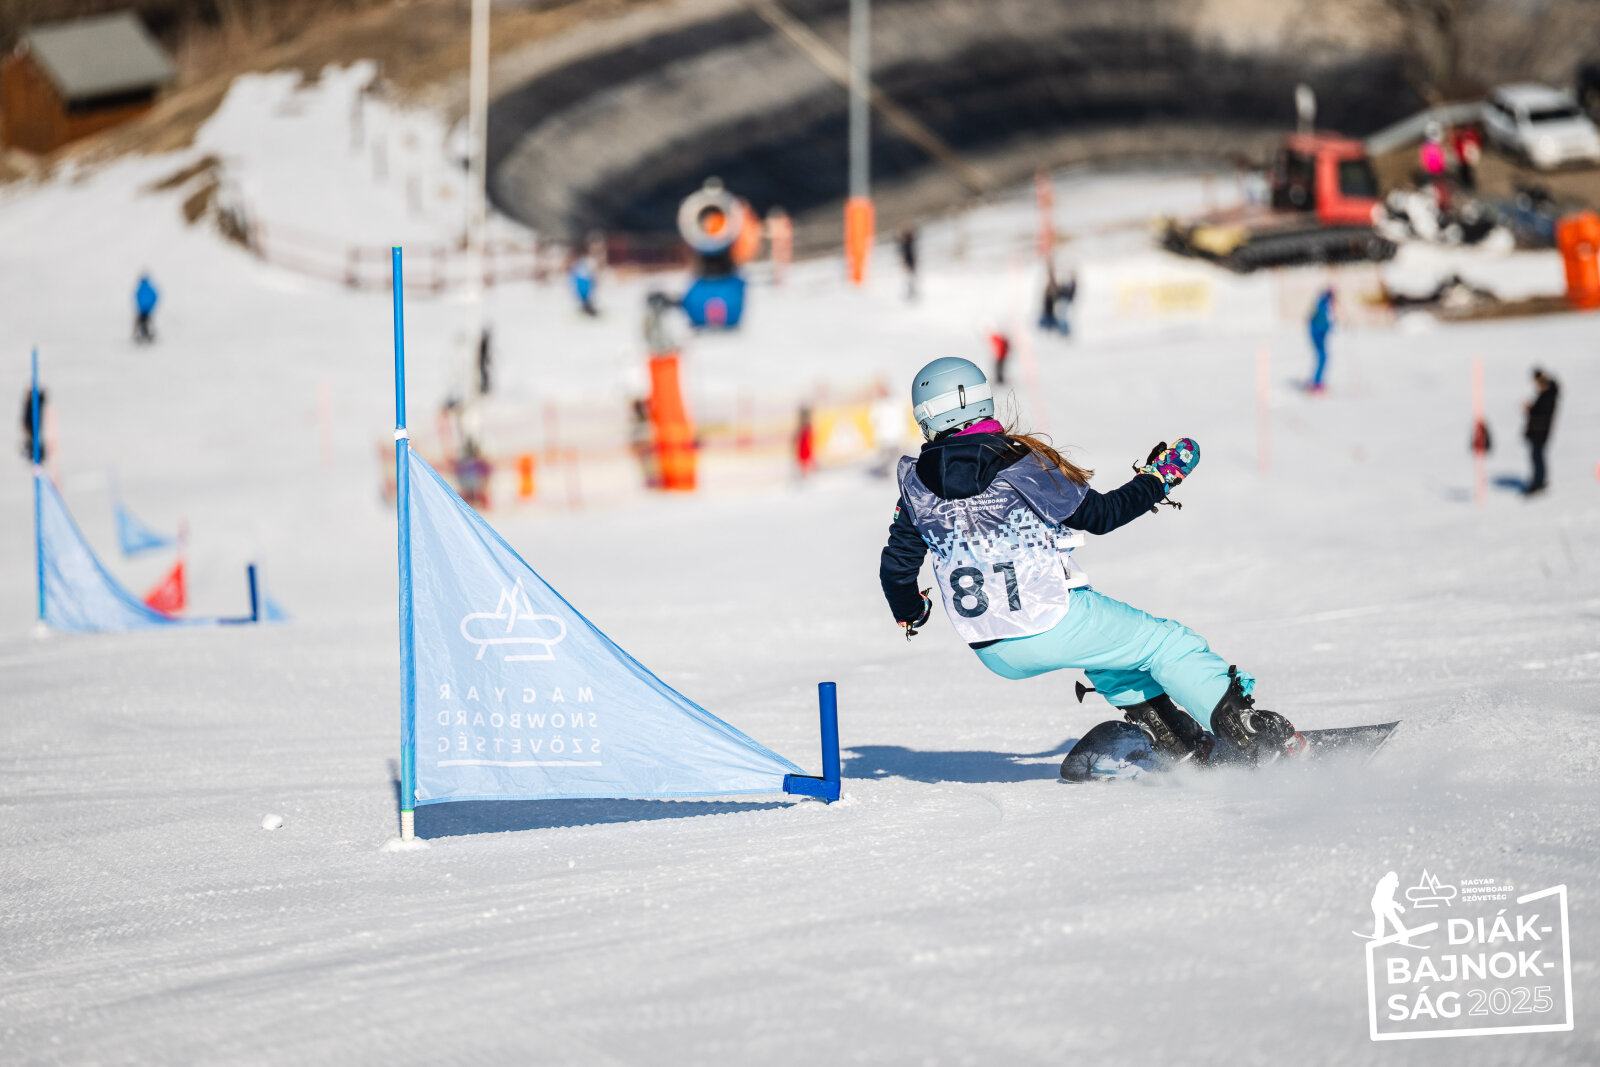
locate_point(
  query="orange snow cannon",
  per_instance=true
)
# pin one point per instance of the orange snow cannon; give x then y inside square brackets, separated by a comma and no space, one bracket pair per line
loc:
[1578,237]
[858,221]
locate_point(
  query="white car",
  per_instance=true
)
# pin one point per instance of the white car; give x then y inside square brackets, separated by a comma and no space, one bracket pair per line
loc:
[1546,125]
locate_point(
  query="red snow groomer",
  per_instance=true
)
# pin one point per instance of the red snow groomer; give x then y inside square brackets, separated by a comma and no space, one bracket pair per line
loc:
[1323,195]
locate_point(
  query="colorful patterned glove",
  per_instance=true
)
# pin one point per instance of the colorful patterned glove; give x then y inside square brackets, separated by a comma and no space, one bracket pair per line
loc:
[1172,465]
[927,610]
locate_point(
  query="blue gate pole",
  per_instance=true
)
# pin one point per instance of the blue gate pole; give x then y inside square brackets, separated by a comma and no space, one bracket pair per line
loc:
[828,699]
[38,520]
[402,488]
[827,787]
[255,594]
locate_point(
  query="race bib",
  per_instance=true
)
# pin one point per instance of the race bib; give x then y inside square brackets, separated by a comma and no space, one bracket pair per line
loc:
[1002,570]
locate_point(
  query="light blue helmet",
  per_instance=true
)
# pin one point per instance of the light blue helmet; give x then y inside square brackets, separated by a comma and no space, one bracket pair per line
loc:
[949,393]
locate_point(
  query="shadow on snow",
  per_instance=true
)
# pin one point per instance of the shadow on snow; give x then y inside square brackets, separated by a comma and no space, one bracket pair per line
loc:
[975,767]
[503,816]
[861,761]
[500,816]
[1513,482]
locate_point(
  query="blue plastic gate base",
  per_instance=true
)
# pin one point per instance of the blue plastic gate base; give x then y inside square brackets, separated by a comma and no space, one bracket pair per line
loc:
[826,787]
[802,785]
[715,303]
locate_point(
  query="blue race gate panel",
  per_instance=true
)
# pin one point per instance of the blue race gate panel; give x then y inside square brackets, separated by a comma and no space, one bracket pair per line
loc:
[79,595]
[133,536]
[518,696]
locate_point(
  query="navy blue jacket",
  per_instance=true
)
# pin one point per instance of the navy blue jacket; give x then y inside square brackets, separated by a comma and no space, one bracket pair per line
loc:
[964,466]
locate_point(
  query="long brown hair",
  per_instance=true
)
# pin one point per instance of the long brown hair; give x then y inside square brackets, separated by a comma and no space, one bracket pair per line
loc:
[1049,457]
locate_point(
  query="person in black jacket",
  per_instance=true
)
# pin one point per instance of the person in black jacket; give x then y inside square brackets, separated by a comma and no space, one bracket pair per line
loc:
[1541,415]
[28,429]
[908,258]
[1001,512]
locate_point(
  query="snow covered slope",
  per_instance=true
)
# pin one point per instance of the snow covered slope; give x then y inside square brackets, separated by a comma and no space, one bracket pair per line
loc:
[960,905]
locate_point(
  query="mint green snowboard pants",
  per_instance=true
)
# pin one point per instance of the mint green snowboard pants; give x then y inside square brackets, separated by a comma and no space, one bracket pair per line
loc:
[1127,655]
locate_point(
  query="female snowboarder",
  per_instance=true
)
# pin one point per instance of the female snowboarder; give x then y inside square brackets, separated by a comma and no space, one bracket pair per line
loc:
[1002,512]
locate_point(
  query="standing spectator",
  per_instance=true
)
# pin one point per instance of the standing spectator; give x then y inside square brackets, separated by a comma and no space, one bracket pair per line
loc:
[1057,293]
[1066,293]
[780,239]
[805,443]
[1320,325]
[887,417]
[581,273]
[1541,416]
[908,258]
[1052,293]
[1431,153]
[472,475]
[27,425]
[485,362]
[642,442]
[1482,439]
[1001,344]
[1467,142]
[145,297]
[1432,158]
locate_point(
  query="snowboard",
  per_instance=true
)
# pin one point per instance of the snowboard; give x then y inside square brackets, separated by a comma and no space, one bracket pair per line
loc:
[1345,742]
[1348,740]
[1119,751]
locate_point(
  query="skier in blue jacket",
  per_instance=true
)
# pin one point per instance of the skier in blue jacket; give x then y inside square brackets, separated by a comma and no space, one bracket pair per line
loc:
[144,303]
[1320,325]
[1001,513]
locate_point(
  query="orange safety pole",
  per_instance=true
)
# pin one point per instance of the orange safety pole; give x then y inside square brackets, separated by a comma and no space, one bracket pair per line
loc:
[673,431]
[858,223]
[525,486]
[1045,194]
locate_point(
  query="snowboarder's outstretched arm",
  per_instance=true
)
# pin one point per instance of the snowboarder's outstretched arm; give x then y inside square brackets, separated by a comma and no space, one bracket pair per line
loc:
[899,566]
[1100,513]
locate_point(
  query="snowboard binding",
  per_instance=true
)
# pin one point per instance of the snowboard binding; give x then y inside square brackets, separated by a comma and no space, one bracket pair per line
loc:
[1173,732]
[1258,736]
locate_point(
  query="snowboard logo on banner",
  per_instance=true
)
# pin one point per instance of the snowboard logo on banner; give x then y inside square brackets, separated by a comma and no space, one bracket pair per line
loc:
[512,609]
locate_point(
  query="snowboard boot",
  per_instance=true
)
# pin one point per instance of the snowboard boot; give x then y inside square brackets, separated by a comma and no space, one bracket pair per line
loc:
[1173,732]
[1257,735]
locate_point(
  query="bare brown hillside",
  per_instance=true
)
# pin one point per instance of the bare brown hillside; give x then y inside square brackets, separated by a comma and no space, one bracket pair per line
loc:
[419,45]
